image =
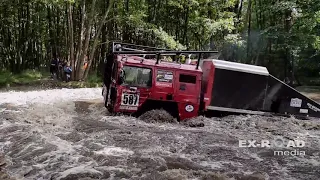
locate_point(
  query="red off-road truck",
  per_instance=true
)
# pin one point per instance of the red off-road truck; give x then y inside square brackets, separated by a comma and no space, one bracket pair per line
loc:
[140,78]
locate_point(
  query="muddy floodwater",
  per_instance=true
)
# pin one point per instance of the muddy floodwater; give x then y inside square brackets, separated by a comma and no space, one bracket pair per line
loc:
[67,134]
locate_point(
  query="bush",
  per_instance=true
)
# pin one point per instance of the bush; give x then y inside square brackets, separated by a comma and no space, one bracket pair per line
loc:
[5,78]
[27,76]
[93,78]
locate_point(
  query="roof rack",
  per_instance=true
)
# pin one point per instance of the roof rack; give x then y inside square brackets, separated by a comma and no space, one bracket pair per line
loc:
[133,47]
[126,48]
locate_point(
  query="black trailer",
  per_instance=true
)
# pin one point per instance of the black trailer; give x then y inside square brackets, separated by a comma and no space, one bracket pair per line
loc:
[248,89]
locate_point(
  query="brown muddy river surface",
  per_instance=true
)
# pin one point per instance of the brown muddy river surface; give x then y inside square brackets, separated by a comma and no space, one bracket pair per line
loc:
[66,134]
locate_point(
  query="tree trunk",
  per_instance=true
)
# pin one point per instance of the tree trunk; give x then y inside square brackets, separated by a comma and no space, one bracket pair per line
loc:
[249,31]
[239,12]
[103,46]
[126,33]
[186,20]
[71,42]
[88,28]
[81,39]
[95,43]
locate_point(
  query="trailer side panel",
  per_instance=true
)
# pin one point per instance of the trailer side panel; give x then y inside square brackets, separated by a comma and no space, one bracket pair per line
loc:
[238,90]
[283,99]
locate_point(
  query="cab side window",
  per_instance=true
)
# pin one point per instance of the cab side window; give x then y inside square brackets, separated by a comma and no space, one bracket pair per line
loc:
[187,82]
[184,78]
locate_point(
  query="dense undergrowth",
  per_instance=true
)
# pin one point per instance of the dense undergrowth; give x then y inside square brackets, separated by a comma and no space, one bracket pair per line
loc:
[42,78]
[7,78]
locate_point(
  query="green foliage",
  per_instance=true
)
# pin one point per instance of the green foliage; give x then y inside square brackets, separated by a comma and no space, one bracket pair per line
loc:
[163,39]
[8,78]
[93,78]
[36,78]
[5,77]
[282,35]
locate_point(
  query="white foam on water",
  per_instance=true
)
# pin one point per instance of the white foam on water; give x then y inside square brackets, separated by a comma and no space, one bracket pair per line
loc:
[49,114]
[212,165]
[115,151]
[7,110]
[4,144]
[49,96]
[63,146]
[79,169]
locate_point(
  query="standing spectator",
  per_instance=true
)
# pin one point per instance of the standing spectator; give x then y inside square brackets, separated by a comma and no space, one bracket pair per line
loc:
[63,74]
[67,71]
[60,70]
[54,67]
[85,65]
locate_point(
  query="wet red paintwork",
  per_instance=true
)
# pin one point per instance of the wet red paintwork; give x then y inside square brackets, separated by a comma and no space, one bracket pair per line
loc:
[208,81]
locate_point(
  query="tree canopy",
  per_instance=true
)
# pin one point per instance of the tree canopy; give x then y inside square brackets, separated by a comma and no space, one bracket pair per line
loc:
[282,35]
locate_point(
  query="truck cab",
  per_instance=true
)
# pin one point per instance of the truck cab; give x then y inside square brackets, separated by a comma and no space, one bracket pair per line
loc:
[134,83]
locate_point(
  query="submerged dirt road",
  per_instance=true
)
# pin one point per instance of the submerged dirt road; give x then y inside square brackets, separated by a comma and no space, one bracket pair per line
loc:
[57,134]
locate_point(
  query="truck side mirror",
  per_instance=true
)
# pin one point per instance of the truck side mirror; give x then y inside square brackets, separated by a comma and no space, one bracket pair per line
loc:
[120,81]
[121,77]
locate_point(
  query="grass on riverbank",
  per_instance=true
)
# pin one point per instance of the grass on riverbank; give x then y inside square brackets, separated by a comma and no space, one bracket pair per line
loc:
[7,78]
[35,78]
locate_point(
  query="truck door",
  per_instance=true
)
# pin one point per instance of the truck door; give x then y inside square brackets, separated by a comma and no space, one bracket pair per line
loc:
[163,89]
[187,92]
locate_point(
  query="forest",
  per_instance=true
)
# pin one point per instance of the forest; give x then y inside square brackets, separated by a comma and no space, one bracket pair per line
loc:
[283,35]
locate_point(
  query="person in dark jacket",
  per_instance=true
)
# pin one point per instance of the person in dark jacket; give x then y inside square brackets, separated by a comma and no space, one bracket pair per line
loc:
[54,67]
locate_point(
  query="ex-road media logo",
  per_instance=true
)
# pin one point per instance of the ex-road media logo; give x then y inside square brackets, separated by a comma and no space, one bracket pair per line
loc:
[278,142]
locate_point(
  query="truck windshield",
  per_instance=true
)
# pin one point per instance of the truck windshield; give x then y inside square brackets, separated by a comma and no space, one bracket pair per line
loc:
[137,76]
